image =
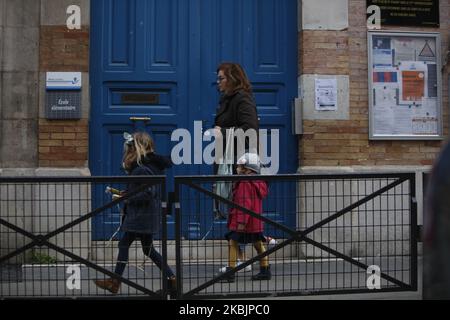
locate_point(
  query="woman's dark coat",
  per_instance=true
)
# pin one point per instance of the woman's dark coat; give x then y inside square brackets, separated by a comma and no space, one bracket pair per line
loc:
[237,110]
[143,210]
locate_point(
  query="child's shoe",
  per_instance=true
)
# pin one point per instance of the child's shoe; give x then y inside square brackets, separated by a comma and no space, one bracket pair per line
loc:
[264,274]
[112,285]
[246,269]
[271,241]
[230,278]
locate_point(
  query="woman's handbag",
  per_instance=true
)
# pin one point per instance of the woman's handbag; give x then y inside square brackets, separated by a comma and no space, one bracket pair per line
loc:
[224,188]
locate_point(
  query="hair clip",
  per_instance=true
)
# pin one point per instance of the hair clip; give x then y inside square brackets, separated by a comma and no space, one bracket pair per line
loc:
[129,140]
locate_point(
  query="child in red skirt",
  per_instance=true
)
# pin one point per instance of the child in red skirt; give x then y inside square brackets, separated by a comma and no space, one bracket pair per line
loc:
[242,227]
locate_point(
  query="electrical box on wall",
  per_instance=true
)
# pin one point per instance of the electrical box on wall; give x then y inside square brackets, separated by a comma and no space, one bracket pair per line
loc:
[63,95]
[297,119]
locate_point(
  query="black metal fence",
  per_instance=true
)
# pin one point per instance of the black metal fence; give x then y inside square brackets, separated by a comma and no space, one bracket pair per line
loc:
[333,234]
[326,234]
[57,235]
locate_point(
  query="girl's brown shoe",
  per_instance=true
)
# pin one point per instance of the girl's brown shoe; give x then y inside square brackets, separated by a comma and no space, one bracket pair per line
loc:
[112,285]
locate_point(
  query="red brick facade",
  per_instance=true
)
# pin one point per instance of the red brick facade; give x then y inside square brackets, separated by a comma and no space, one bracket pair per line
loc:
[63,143]
[324,142]
[346,142]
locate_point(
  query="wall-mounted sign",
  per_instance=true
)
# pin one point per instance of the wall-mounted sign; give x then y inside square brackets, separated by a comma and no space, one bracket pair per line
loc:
[326,94]
[63,104]
[423,13]
[63,81]
[405,86]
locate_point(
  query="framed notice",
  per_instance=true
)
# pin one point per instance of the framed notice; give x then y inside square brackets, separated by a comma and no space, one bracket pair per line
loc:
[404,86]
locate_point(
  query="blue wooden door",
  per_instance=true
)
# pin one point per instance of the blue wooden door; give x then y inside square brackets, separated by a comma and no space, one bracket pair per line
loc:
[155,61]
[261,35]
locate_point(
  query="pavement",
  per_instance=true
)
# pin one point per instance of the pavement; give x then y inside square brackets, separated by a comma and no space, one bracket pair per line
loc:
[308,276]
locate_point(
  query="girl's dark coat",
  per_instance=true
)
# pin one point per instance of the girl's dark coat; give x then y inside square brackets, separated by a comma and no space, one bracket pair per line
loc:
[143,210]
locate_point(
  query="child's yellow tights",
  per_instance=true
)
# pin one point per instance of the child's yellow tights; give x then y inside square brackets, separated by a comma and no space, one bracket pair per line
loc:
[234,251]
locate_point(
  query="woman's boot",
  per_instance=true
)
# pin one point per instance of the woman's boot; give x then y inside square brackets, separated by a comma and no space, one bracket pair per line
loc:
[112,285]
[264,274]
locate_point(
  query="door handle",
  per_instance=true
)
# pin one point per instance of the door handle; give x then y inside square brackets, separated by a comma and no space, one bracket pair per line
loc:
[145,119]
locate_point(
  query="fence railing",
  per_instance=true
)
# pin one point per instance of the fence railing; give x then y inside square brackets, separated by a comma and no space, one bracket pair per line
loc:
[334,234]
[326,234]
[57,236]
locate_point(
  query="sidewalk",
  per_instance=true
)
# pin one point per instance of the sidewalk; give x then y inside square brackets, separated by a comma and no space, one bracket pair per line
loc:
[412,295]
[287,277]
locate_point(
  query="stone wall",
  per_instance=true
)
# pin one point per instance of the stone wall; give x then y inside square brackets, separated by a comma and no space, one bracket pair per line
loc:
[35,40]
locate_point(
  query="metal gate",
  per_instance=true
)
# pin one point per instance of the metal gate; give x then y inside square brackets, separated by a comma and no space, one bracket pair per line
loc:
[355,233]
[46,249]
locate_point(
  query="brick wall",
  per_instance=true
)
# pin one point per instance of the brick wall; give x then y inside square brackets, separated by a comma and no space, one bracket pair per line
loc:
[63,143]
[346,142]
[62,49]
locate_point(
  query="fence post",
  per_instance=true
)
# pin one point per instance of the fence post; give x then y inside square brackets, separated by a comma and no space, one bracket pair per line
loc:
[164,236]
[413,226]
[178,256]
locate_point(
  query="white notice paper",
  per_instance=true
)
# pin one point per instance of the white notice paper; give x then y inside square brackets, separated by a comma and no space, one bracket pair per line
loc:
[326,94]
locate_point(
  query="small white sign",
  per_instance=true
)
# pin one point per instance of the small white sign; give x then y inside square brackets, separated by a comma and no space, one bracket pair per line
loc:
[326,94]
[63,81]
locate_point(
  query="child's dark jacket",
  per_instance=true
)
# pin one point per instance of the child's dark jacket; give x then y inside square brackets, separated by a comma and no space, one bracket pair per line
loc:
[143,210]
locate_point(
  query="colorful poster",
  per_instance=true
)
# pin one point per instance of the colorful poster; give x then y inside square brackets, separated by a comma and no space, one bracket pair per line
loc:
[382,76]
[413,86]
[413,76]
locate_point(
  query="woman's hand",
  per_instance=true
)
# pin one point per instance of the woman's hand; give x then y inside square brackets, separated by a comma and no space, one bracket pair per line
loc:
[217,132]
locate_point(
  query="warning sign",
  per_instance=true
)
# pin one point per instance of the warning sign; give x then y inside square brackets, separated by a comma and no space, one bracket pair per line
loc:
[426,54]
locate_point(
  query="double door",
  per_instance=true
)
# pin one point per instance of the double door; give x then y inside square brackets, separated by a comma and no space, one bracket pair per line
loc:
[153,68]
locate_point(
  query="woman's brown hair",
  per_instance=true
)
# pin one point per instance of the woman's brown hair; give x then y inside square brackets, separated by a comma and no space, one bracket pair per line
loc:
[236,77]
[141,145]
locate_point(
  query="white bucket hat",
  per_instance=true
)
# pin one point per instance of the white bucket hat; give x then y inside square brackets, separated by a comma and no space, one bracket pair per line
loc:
[250,161]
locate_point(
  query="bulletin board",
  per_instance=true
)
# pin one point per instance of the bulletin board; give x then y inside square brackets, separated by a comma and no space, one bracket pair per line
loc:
[404,86]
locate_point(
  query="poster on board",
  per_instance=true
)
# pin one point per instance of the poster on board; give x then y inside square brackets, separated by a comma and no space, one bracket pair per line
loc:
[404,82]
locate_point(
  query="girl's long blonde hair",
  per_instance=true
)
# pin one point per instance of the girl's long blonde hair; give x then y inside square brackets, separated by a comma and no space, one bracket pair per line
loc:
[135,152]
